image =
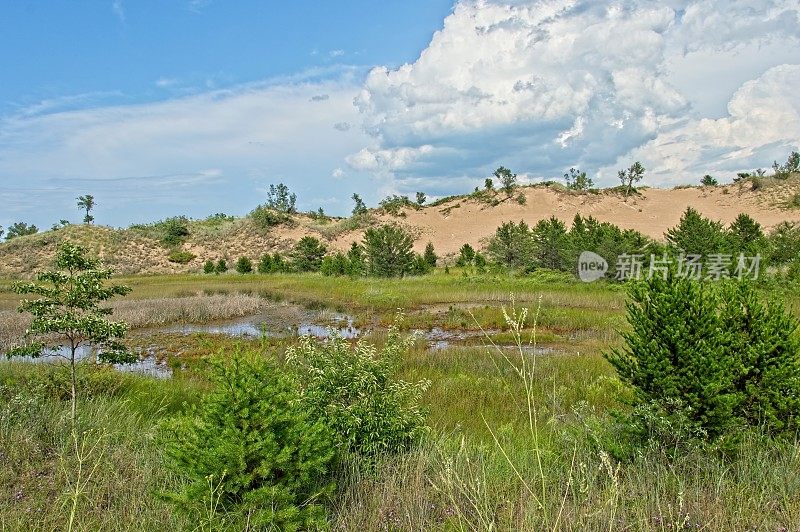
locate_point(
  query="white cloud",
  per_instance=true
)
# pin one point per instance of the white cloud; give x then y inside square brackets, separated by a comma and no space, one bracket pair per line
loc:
[337,173]
[202,153]
[164,83]
[542,85]
[762,125]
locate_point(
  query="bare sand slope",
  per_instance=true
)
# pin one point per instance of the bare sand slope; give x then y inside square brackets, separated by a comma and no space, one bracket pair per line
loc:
[651,212]
[448,226]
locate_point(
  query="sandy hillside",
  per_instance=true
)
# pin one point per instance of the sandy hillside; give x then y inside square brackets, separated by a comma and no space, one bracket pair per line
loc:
[448,225]
[651,212]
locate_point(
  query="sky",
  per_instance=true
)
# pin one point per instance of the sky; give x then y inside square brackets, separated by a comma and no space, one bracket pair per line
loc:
[193,107]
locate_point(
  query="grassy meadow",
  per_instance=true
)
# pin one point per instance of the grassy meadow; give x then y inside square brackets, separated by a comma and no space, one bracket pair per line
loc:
[517,441]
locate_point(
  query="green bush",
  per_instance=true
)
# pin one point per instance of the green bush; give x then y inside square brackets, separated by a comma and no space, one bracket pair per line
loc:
[221,266]
[244,265]
[355,389]
[181,257]
[307,254]
[388,251]
[272,263]
[512,245]
[784,242]
[264,217]
[710,359]
[395,204]
[466,254]
[174,230]
[696,234]
[208,267]
[251,450]
[335,265]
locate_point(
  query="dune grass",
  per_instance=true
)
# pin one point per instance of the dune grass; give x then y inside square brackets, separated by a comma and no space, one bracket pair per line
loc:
[508,449]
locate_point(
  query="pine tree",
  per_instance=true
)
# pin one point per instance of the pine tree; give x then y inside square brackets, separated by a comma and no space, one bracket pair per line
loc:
[708,358]
[698,235]
[307,254]
[430,256]
[208,267]
[244,265]
[388,251]
[251,438]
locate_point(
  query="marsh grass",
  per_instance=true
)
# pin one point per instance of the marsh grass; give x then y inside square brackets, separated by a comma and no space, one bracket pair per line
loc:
[518,441]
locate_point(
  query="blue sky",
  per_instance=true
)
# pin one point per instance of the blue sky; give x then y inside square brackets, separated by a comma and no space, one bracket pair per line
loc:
[195,107]
[119,51]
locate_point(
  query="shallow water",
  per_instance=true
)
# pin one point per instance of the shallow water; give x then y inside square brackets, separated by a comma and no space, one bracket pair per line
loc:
[281,321]
[263,325]
[147,364]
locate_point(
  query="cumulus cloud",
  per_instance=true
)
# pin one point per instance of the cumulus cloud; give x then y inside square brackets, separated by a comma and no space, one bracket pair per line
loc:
[762,125]
[543,85]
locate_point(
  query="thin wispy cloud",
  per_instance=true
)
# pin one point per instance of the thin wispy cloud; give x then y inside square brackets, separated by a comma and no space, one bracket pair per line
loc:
[119,10]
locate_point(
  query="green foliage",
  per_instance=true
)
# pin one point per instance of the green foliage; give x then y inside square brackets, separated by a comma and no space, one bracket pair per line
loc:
[421,198]
[20,229]
[55,227]
[696,234]
[175,230]
[335,265]
[430,256]
[265,217]
[507,179]
[279,199]
[784,242]
[356,390]
[244,265]
[221,266]
[86,203]
[307,254]
[631,175]
[709,359]
[272,263]
[521,199]
[359,208]
[791,166]
[512,245]
[2,231]
[208,267]
[488,184]
[746,236]
[577,180]
[180,256]
[69,309]
[388,251]
[395,204]
[466,254]
[252,449]
[356,260]
[608,241]
[709,181]
[551,245]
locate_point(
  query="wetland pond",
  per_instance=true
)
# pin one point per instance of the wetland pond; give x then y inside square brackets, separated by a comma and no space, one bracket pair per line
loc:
[283,320]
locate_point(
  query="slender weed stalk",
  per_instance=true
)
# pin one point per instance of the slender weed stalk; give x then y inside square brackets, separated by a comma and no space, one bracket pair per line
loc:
[525,370]
[88,455]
